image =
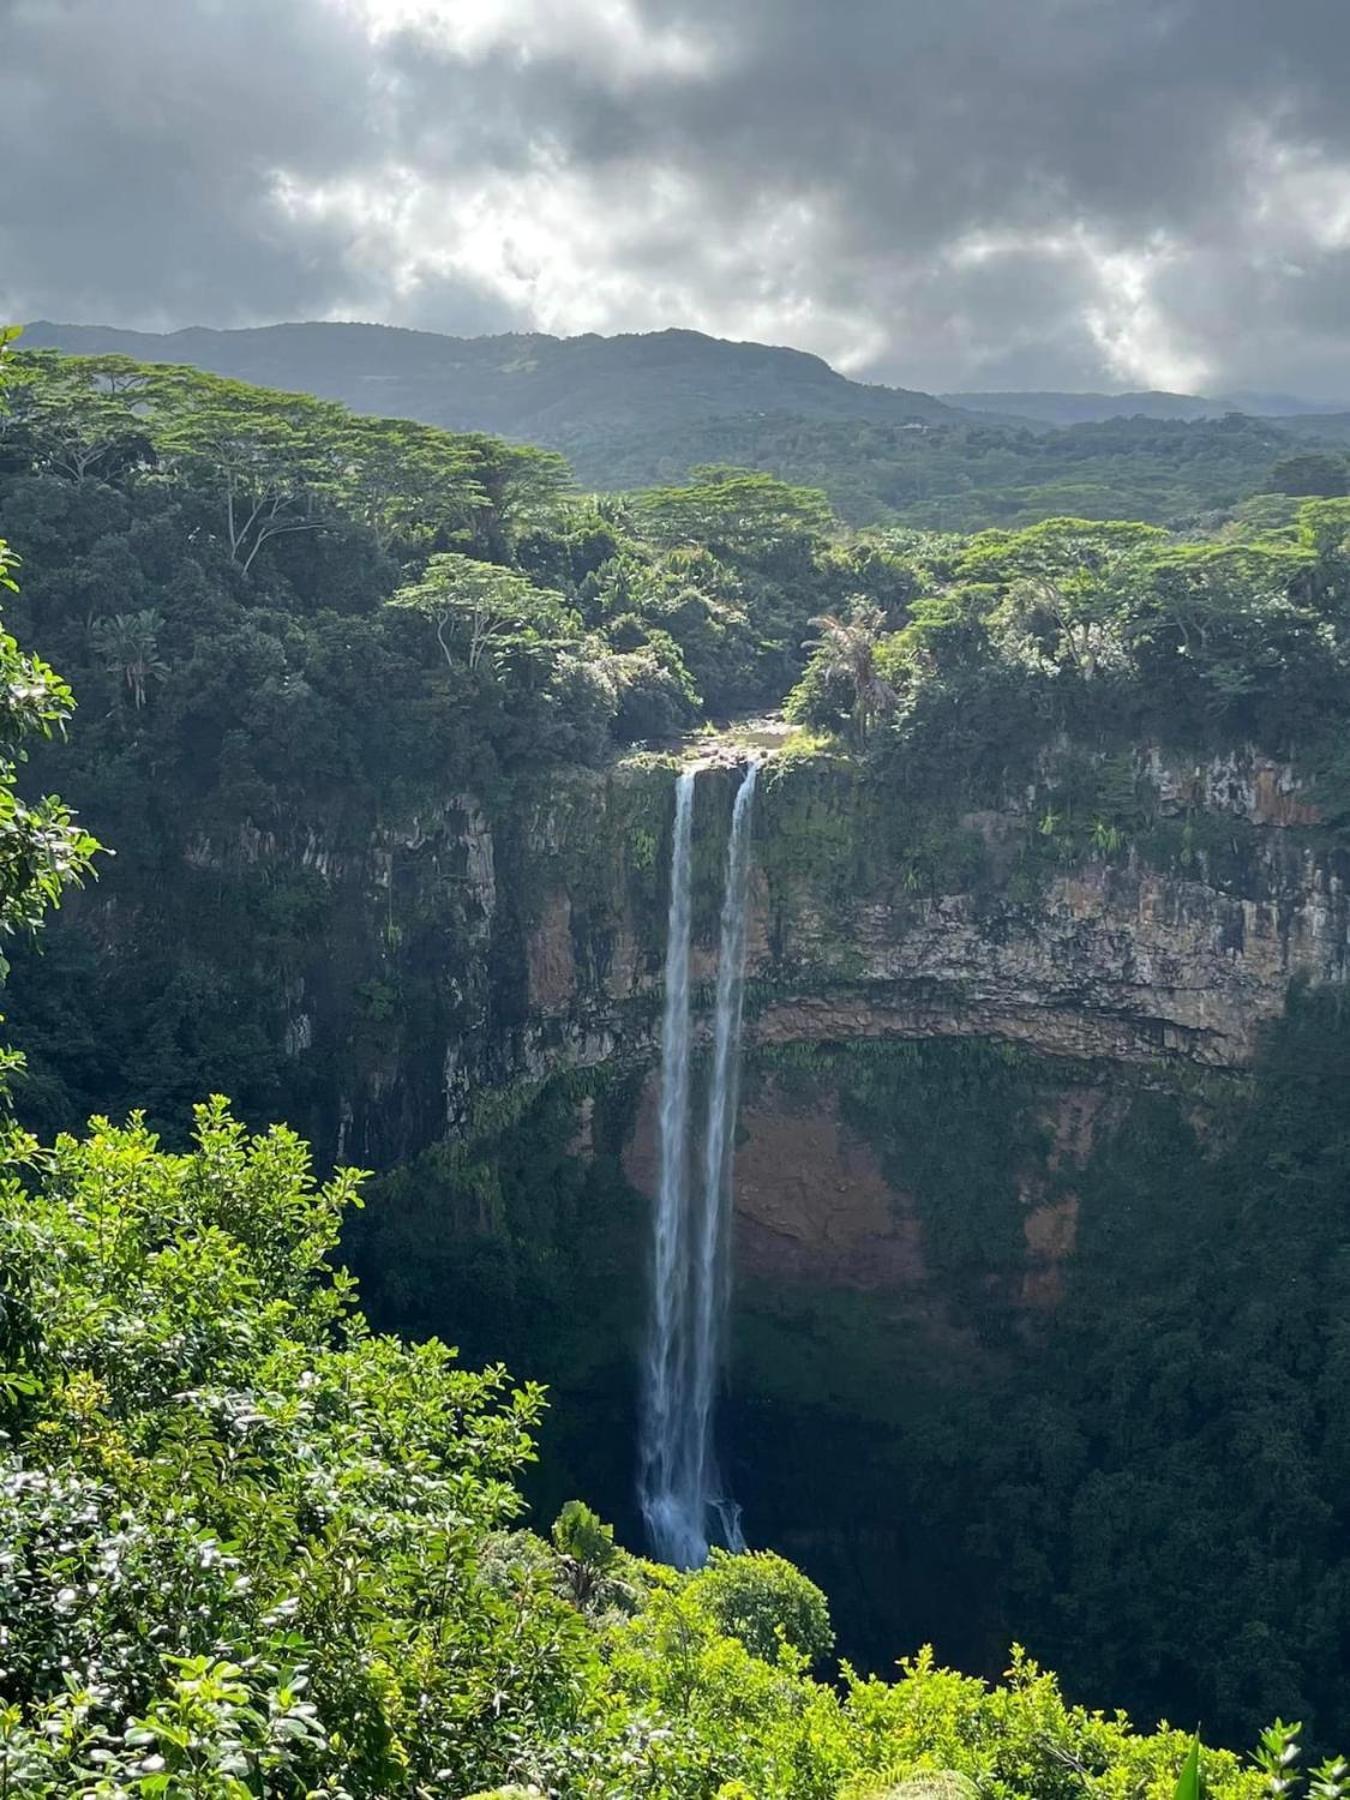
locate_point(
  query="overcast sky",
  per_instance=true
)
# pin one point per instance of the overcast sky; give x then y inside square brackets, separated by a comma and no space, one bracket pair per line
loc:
[938,193]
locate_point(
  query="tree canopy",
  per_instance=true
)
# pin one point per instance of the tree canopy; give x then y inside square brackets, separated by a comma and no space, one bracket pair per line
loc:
[42,849]
[255,1543]
[251,1548]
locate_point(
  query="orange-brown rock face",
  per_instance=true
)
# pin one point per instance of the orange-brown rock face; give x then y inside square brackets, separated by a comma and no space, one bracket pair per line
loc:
[550,960]
[1121,954]
[1050,1226]
[533,935]
[812,1203]
[814,1206]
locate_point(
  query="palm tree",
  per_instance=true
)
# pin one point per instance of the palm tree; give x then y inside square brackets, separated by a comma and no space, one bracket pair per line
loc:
[128,644]
[847,647]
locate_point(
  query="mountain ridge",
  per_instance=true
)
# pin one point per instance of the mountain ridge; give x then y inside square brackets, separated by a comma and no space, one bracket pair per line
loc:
[641,410]
[553,390]
[1064,407]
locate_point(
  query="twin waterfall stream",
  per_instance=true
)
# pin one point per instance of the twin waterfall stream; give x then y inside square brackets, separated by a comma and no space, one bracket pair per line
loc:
[680,1489]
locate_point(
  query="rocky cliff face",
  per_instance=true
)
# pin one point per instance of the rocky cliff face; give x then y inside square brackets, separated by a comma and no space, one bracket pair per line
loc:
[819,1205]
[1109,958]
[968,1031]
[467,954]
[463,959]
[456,960]
[1175,942]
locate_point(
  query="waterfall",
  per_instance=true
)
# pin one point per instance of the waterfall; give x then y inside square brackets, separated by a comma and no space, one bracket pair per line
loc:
[712,1281]
[680,1485]
[663,1483]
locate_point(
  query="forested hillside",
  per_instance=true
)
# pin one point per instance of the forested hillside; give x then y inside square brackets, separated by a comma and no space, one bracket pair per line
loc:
[1092,409]
[565,392]
[281,613]
[961,477]
[349,688]
[639,411]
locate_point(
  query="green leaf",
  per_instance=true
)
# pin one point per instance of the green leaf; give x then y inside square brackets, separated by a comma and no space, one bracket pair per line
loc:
[1189,1786]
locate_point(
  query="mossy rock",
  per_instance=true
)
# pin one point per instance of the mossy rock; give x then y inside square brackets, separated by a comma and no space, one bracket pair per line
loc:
[931,1784]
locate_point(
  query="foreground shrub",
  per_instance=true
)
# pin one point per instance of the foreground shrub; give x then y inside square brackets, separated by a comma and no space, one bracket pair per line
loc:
[762,1600]
[249,1549]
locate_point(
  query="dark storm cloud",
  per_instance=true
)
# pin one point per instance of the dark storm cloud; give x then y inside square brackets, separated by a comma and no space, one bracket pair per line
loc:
[935,191]
[138,139]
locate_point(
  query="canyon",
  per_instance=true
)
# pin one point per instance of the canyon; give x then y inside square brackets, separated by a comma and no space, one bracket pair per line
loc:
[960,1023]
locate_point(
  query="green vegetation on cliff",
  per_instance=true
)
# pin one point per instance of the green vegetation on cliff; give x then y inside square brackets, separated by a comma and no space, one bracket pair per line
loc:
[347,687]
[1108,632]
[251,1549]
[1124,1428]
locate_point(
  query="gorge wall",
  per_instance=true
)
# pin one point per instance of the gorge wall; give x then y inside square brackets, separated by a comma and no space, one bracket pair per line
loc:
[405,977]
[874,918]
[989,1056]
[530,942]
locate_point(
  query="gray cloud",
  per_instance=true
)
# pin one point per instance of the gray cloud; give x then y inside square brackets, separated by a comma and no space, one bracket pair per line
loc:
[138,140]
[1052,192]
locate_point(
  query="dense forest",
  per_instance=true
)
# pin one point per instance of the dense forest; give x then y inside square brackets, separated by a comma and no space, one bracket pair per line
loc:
[636,411]
[962,476]
[275,609]
[286,625]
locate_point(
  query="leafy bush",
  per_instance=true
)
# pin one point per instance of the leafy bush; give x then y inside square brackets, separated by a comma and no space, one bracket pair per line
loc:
[762,1600]
[226,1505]
[248,1548]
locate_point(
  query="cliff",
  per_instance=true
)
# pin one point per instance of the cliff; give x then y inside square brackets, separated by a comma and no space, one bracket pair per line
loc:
[418,978]
[995,1057]
[875,918]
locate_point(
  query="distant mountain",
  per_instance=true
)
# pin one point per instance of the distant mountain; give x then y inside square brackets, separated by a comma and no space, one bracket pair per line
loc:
[634,411]
[1091,409]
[1282,406]
[567,393]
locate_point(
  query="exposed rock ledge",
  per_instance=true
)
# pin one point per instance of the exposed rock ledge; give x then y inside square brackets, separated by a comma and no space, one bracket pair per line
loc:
[530,936]
[1113,958]
[1114,962]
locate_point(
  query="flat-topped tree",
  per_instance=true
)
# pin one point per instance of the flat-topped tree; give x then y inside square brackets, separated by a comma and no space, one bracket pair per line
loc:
[1066,583]
[486,607]
[520,485]
[268,457]
[740,510]
[81,415]
[1226,627]
[404,481]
